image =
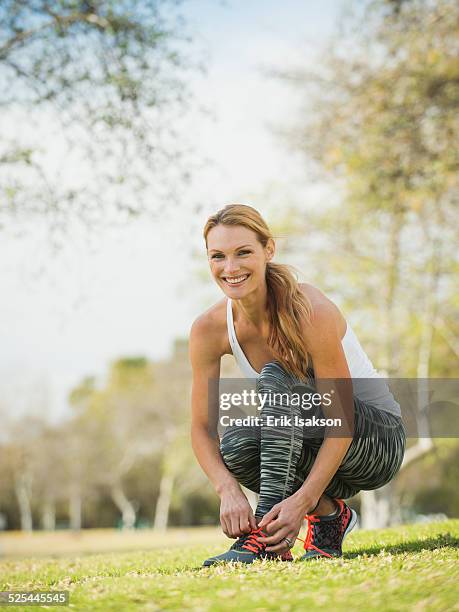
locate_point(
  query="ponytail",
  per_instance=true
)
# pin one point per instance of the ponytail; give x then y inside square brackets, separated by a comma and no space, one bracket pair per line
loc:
[288,309]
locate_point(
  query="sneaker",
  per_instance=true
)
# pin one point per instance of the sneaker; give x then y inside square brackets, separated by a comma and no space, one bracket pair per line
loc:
[326,533]
[248,549]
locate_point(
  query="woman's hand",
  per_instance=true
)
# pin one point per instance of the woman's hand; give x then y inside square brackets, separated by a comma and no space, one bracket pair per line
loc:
[236,515]
[284,520]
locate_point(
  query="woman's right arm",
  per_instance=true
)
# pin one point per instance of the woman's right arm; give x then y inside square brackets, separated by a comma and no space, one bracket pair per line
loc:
[236,515]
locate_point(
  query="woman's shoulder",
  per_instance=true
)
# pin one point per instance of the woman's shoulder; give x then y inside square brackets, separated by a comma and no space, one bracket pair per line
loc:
[210,327]
[319,301]
[324,310]
[314,294]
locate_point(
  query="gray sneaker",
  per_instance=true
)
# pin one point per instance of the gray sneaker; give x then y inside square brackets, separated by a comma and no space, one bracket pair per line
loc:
[326,533]
[248,549]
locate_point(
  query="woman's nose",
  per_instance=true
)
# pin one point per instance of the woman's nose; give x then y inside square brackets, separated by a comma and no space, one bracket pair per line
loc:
[231,266]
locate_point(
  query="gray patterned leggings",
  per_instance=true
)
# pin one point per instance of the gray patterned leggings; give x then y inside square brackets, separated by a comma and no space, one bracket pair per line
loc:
[275,463]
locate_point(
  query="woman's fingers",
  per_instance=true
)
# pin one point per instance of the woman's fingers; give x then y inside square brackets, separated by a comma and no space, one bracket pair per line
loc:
[252,521]
[274,526]
[276,537]
[237,521]
[230,524]
[225,526]
[283,546]
[269,516]
[244,523]
[228,530]
[235,528]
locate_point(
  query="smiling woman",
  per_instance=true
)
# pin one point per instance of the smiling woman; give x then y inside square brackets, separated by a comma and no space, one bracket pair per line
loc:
[284,334]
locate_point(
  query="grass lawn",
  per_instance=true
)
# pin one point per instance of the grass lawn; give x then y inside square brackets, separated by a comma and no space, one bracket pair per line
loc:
[411,567]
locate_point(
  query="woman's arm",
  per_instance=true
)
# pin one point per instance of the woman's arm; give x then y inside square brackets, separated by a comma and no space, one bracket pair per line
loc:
[329,361]
[235,512]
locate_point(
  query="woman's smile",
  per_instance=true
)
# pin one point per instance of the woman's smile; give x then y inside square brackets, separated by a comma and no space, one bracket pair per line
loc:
[236,281]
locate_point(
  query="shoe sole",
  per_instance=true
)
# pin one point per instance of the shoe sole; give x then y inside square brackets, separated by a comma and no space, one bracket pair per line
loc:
[228,561]
[352,522]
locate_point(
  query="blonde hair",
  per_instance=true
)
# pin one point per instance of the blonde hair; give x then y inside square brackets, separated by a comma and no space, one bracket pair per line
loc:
[288,307]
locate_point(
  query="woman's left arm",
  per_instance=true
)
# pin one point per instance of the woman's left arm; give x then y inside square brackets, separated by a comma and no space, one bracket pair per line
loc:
[329,362]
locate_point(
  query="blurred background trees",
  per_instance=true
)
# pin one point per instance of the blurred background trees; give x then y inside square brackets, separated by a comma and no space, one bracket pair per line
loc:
[380,119]
[378,124]
[123,457]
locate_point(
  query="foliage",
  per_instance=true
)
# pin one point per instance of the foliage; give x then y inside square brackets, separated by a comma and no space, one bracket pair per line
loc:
[124,436]
[91,94]
[439,492]
[392,106]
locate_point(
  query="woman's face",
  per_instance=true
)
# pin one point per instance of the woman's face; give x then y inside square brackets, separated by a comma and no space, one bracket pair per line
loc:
[237,259]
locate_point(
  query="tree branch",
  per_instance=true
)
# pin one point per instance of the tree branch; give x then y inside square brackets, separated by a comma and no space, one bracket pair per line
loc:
[421,448]
[449,336]
[63,21]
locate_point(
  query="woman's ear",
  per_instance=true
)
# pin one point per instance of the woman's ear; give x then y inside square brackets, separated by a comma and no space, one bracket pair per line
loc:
[270,249]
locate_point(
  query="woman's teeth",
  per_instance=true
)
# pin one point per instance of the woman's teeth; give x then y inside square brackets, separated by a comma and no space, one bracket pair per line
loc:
[236,280]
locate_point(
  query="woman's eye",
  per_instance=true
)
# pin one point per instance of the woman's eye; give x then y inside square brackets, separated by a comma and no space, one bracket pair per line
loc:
[220,255]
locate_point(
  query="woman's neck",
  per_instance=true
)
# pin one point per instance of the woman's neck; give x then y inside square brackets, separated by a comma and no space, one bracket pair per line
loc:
[253,307]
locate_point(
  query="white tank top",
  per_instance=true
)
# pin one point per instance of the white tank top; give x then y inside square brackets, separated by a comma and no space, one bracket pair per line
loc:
[376,392]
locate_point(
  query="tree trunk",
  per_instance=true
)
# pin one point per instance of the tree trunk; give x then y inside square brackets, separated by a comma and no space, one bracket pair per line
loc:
[375,508]
[23,484]
[164,501]
[75,509]
[379,508]
[376,504]
[448,335]
[48,517]
[128,513]
[425,442]
[391,353]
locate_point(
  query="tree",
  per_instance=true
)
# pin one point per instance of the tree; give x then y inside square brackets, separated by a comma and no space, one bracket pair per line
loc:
[23,467]
[118,427]
[176,466]
[381,124]
[104,81]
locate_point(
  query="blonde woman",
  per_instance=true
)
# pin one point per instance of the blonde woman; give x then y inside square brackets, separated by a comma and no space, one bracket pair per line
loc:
[284,334]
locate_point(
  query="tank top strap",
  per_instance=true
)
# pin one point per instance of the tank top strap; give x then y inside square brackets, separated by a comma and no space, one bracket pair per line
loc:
[238,353]
[230,325]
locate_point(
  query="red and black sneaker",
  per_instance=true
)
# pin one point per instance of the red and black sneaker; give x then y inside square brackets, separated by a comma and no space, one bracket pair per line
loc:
[325,534]
[248,549]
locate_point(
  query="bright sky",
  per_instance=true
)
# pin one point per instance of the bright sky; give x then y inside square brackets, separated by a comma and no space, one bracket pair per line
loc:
[136,292]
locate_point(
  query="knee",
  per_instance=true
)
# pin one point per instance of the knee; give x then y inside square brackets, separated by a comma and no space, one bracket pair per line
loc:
[274,377]
[237,442]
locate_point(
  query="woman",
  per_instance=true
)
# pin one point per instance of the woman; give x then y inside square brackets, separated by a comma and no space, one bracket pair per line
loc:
[284,333]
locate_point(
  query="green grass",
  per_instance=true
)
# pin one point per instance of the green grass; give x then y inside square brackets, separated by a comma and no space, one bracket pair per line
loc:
[411,567]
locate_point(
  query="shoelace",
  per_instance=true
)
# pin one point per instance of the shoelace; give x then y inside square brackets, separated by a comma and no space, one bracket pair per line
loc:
[308,545]
[252,542]
[311,518]
[255,546]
